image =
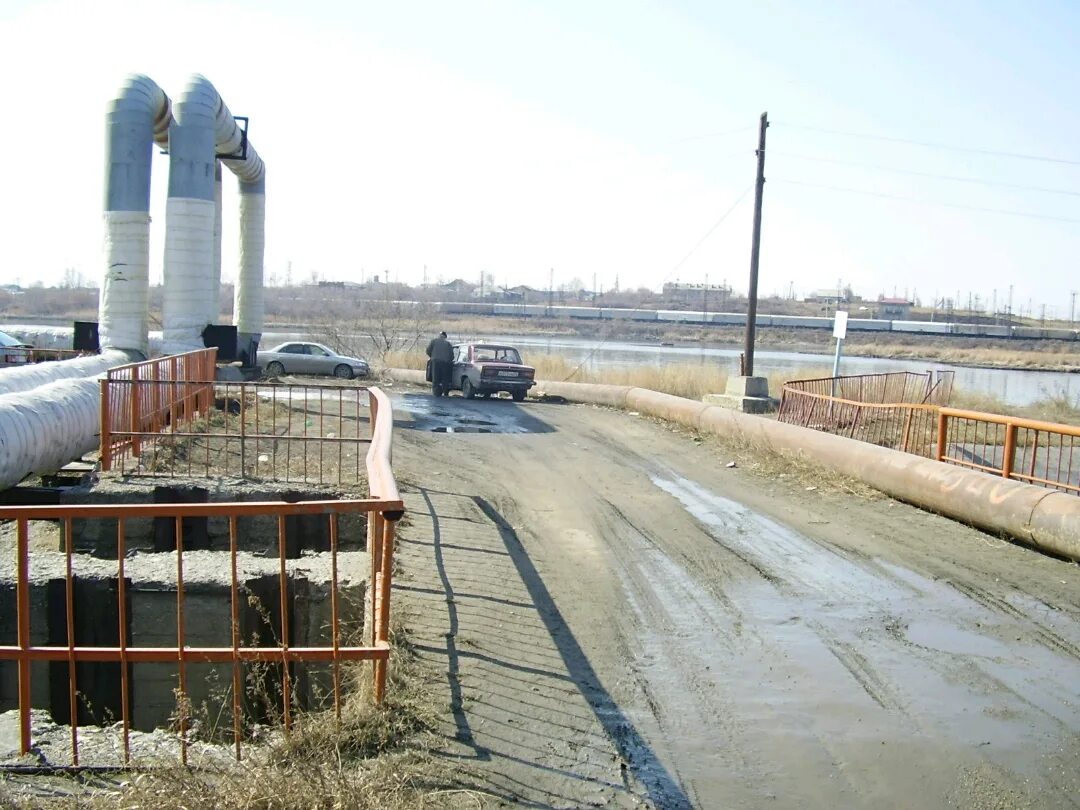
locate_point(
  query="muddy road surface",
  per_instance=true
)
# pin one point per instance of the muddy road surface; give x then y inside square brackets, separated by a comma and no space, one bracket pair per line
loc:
[618,618]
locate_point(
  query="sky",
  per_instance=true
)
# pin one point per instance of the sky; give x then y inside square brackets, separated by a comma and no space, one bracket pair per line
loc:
[916,148]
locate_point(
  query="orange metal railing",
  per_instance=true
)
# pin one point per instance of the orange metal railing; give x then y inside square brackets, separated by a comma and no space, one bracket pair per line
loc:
[933,388]
[166,392]
[900,426]
[264,431]
[1043,453]
[383,508]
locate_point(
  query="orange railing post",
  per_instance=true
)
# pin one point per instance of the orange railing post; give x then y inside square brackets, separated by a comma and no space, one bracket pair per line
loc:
[133,399]
[22,587]
[942,435]
[1009,456]
[106,433]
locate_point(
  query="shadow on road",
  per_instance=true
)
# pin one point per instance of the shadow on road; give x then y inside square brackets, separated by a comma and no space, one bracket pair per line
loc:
[636,753]
[523,697]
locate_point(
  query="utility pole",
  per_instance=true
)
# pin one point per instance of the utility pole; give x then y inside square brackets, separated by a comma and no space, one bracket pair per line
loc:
[705,297]
[551,290]
[1009,308]
[594,288]
[1072,307]
[755,251]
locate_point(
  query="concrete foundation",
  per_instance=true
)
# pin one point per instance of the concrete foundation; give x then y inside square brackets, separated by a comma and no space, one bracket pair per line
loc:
[151,605]
[258,534]
[746,394]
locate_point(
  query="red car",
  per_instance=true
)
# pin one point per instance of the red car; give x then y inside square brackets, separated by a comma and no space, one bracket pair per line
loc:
[481,369]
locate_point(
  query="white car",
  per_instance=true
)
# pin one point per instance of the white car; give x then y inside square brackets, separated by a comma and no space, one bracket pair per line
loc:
[13,352]
[301,357]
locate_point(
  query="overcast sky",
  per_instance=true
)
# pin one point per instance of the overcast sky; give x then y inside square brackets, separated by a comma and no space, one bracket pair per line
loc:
[584,138]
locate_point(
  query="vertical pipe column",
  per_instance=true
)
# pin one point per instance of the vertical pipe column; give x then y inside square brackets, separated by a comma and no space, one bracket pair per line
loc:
[189,220]
[139,116]
[216,275]
[248,304]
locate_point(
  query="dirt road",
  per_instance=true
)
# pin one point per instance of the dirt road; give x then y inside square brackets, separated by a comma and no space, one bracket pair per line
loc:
[619,619]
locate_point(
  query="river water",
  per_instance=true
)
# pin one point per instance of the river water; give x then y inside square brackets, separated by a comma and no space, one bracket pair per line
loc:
[1012,386]
[1015,387]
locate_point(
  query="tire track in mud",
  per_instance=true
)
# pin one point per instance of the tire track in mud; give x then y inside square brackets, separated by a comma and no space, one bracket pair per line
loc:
[873,594]
[1043,634]
[673,615]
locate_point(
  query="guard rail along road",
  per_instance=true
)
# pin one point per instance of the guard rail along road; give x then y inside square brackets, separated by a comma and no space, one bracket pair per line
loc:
[1033,515]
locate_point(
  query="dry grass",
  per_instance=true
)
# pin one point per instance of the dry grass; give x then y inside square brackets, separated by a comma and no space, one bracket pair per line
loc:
[1059,407]
[690,380]
[1054,357]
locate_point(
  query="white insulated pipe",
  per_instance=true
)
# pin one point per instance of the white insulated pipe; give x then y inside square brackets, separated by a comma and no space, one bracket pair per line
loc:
[33,376]
[204,128]
[138,118]
[43,429]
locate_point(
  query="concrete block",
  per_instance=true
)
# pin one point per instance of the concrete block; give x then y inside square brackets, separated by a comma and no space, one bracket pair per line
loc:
[746,394]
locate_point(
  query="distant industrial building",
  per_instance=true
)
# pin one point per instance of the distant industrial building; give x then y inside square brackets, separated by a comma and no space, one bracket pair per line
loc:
[899,308]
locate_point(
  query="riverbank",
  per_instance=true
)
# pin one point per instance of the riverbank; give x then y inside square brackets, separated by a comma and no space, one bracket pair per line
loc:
[1001,353]
[995,353]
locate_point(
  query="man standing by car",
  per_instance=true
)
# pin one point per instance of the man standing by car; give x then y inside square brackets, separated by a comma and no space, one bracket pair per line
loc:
[442,363]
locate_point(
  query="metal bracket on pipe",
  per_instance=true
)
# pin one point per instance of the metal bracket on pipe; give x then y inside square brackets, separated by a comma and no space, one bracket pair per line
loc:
[242,154]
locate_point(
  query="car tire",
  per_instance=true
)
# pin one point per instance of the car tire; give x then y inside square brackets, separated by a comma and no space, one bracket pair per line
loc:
[467,389]
[343,372]
[275,369]
[518,396]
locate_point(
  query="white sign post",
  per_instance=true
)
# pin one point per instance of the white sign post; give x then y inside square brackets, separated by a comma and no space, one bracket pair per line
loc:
[839,332]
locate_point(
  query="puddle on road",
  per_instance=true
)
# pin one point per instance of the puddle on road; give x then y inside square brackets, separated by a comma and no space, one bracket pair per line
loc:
[459,415]
[927,652]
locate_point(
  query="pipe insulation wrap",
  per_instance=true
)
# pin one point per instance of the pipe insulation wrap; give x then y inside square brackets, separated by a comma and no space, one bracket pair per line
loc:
[28,378]
[124,309]
[43,430]
[249,305]
[42,337]
[140,115]
[189,244]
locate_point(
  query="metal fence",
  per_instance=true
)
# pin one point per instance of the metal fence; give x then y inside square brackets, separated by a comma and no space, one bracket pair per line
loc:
[906,427]
[1042,453]
[908,387]
[259,431]
[140,399]
[918,422]
[382,508]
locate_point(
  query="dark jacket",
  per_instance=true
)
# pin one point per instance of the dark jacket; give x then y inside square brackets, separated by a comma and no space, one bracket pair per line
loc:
[440,349]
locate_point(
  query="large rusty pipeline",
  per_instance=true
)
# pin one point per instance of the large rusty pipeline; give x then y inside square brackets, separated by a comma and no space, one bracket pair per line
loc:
[1038,517]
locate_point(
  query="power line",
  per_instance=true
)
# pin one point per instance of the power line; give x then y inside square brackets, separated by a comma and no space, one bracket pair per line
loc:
[709,233]
[917,201]
[932,175]
[934,145]
[670,273]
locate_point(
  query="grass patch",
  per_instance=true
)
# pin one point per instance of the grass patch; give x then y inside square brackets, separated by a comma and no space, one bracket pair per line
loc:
[1058,407]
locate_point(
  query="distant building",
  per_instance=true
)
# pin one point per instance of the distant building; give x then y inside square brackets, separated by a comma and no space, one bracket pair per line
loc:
[458,287]
[830,296]
[689,292]
[894,308]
